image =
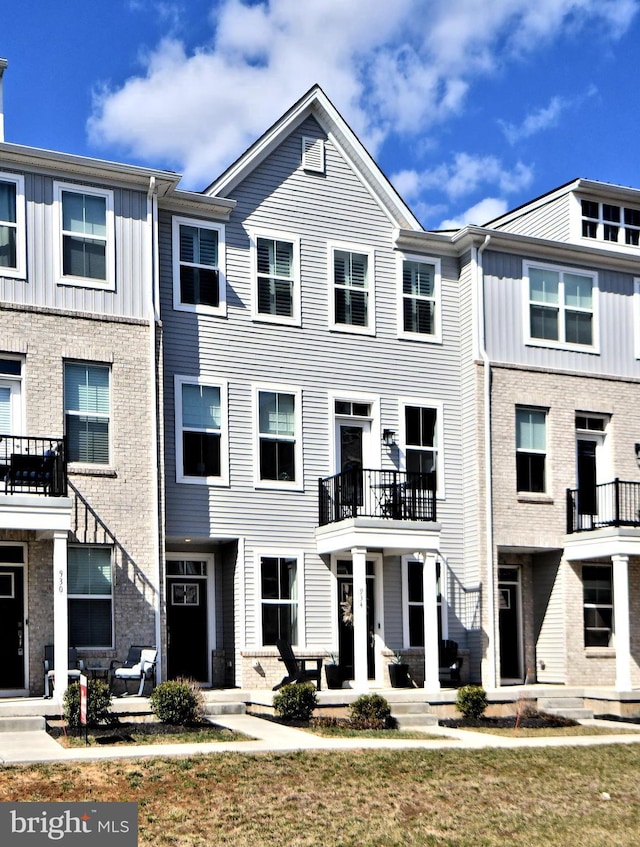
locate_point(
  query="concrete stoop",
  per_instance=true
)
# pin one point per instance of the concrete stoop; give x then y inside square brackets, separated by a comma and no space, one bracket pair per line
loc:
[565,707]
[410,714]
[223,703]
[27,723]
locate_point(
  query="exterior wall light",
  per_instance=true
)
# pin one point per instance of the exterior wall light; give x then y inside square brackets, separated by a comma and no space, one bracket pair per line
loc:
[388,438]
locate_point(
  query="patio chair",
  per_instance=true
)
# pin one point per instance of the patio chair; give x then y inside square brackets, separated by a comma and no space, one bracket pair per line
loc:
[449,662]
[139,666]
[75,668]
[297,670]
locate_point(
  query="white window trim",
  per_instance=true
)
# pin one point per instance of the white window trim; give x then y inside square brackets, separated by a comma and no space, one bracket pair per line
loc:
[254,235]
[209,558]
[370,328]
[98,596]
[372,457]
[527,407]
[444,617]
[20,271]
[296,484]
[436,338]
[18,380]
[178,305]
[438,405]
[218,481]
[109,284]
[105,467]
[560,344]
[599,242]
[281,553]
[636,317]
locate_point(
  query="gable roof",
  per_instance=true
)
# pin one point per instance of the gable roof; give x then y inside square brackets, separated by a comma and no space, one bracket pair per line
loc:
[315,103]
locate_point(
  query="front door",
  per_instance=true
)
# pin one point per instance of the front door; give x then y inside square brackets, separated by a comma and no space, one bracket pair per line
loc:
[12,664]
[510,625]
[587,477]
[187,619]
[345,619]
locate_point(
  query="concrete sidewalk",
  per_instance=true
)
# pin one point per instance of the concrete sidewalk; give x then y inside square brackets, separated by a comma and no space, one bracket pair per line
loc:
[29,745]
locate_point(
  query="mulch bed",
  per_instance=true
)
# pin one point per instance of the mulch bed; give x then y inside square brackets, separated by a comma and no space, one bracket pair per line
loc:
[632,720]
[537,721]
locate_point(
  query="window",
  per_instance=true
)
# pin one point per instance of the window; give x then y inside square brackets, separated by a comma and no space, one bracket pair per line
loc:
[198,266]
[276,291]
[352,301]
[10,400]
[90,596]
[421,442]
[609,222]
[87,236]
[12,226]
[598,605]
[413,590]
[87,410]
[278,440]
[200,431]
[420,294]
[562,307]
[531,449]
[278,582]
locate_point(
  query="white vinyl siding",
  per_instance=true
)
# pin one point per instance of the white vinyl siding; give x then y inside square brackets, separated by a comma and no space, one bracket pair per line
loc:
[87,412]
[276,288]
[352,289]
[198,266]
[419,299]
[12,226]
[86,243]
[201,431]
[90,596]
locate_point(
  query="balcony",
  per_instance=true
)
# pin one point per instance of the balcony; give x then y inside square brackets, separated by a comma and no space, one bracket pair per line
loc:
[612,504]
[30,465]
[388,495]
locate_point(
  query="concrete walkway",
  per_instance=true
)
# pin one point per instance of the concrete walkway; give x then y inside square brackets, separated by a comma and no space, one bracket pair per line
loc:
[35,745]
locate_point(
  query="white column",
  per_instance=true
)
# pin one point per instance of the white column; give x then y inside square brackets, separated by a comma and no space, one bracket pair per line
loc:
[60,615]
[429,590]
[360,630]
[621,621]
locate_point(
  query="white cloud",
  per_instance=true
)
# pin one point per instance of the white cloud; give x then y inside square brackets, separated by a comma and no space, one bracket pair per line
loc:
[398,67]
[480,213]
[543,118]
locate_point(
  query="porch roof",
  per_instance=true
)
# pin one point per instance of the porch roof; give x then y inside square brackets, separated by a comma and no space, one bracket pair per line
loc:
[376,533]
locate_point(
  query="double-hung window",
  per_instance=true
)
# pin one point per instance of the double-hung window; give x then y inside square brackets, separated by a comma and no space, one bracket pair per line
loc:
[198,266]
[531,449]
[12,226]
[413,593]
[562,307]
[200,431]
[279,595]
[278,436]
[420,299]
[422,438]
[90,596]
[277,294]
[86,246]
[598,605]
[87,406]
[353,304]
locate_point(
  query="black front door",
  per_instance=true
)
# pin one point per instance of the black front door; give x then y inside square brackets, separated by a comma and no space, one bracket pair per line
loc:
[11,625]
[345,620]
[187,644]
[509,623]
[587,477]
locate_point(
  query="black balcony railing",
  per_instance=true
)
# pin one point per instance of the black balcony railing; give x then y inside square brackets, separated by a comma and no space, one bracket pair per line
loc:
[614,503]
[30,465]
[395,495]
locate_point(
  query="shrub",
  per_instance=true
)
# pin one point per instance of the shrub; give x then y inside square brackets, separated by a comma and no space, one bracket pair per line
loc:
[177,701]
[472,701]
[370,711]
[98,704]
[295,702]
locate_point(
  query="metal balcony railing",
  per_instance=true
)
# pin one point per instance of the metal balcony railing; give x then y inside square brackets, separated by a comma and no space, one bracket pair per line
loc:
[614,504]
[33,465]
[394,495]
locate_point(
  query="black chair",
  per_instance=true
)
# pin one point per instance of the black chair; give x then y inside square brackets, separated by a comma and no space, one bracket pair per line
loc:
[449,662]
[297,670]
[75,668]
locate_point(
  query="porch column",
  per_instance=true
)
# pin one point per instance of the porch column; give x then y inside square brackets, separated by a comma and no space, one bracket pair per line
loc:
[360,633]
[60,616]
[621,621]
[429,591]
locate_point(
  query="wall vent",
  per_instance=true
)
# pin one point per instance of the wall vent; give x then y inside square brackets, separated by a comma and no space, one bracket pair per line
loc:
[313,154]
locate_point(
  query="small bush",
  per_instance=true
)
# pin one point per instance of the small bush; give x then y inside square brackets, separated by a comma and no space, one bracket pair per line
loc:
[98,704]
[177,701]
[370,711]
[472,701]
[295,702]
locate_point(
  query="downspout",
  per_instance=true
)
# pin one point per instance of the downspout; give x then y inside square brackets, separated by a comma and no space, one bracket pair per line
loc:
[490,582]
[152,273]
[3,67]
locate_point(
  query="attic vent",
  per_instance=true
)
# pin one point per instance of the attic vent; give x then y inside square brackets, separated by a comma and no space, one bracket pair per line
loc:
[313,155]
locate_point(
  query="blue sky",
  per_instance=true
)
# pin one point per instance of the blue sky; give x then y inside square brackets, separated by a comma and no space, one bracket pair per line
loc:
[470,107]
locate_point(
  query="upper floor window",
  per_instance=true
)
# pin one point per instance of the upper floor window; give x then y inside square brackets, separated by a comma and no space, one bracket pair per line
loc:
[353,305]
[87,412]
[420,296]
[531,449]
[200,431]
[422,436]
[12,226]
[277,293]
[609,222]
[562,307]
[86,245]
[198,266]
[278,436]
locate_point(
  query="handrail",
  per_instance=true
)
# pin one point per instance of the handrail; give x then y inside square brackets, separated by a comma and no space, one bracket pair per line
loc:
[31,464]
[612,504]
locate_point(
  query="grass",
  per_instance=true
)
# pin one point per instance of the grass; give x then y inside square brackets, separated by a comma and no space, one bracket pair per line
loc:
[568,731]
[143,732]
[454,798]
[387,734]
